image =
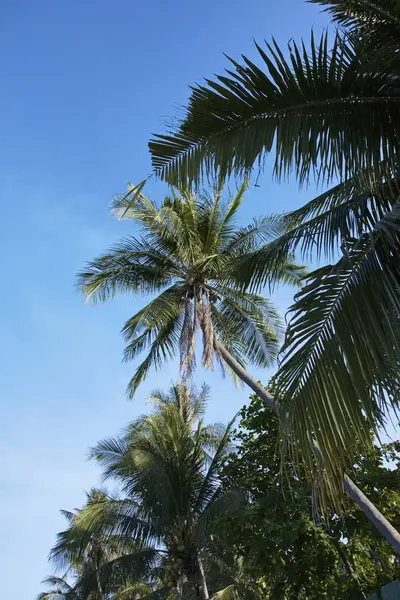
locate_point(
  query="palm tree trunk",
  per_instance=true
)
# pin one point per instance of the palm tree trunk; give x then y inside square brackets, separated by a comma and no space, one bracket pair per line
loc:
[369,509]
[203,579]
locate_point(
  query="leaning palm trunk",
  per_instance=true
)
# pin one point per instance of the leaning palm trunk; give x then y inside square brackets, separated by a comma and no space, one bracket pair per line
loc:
[369,509]
[203,579]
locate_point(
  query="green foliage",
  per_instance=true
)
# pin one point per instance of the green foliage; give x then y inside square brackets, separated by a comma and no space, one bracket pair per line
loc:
[187,256]
[166,467]
[286,551]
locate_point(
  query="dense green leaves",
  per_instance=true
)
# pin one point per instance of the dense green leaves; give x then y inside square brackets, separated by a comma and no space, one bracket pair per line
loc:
[284,550]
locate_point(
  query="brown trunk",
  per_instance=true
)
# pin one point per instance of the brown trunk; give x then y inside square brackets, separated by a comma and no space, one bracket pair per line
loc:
[369,509]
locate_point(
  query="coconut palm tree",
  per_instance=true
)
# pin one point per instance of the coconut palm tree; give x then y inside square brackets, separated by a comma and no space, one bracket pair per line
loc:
[166,466]
[332,111]
[60,589]
[186,255]
[81,563]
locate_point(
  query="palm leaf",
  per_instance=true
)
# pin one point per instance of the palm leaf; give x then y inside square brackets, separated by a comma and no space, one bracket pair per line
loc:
[255,320]
[337,374]
[223,503]
[123,570]
[302,107]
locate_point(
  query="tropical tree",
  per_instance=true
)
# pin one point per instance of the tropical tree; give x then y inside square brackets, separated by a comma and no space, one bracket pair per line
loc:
[186,255]
[166,466]
[284,550]
[232,578]
[331,111]
[81,564]
[60,589]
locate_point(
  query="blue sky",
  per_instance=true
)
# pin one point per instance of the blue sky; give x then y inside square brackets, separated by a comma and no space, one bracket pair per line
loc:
[84,84]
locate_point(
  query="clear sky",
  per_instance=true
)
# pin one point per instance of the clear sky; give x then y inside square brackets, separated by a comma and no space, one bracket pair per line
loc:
[84,84]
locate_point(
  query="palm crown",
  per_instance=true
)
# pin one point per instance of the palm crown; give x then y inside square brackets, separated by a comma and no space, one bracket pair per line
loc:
[187,255]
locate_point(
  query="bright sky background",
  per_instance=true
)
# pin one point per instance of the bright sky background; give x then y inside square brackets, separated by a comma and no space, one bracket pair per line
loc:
[84,84]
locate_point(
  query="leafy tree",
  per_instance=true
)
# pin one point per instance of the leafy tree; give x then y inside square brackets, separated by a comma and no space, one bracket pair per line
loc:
[286,552]
[186,255]
[167,467]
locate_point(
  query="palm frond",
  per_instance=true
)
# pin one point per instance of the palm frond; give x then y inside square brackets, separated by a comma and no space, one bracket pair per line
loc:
[163,347]
[234,205]
[341,352]
[255,320]
[132,266]
[223,503]
[322,226]
[60,589]
[376,23]
[210,486]
[318,109]
[112,517]
[123,570]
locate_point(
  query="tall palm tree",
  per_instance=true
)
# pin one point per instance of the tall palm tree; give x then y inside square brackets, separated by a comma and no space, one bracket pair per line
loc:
[232,579]
[81,564]
[332,111]
[166,466]
[60,589]
[186,255]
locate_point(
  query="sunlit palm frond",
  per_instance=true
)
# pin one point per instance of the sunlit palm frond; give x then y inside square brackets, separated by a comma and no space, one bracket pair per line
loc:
[113,517]
[238,591]
[255,320]
[132,265]
[190,402]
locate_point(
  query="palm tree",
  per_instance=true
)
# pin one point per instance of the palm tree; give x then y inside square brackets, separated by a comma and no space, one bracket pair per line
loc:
[81,564]
[166,466]
[60,590]
[186,255]
[332,111]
